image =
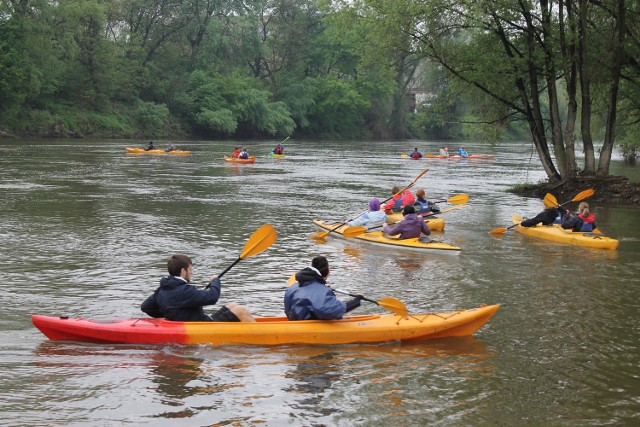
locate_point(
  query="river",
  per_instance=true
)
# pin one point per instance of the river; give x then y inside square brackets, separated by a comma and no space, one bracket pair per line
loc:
[87,230]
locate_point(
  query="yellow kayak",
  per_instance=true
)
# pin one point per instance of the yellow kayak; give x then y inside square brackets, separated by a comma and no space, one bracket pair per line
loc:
[434,223]
[269,330]
[556,233]
[381,239]
[155,151]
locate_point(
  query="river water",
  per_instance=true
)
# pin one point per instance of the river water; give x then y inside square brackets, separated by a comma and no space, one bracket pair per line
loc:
[86,231]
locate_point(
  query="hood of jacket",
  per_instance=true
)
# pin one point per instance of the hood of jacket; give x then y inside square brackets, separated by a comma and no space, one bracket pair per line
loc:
[309,275]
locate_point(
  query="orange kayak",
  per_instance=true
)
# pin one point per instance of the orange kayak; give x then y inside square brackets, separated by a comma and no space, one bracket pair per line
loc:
[269,330]
[155,151]
[250,160]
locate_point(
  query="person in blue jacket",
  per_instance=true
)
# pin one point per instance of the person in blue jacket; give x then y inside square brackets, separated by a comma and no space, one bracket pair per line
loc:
[373,218]
[416,155]
[463,152]
[311,299]
[175,299]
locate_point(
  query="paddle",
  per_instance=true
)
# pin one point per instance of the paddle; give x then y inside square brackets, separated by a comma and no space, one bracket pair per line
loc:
[260,240]
[323,234]
[394,305]
[549,201]
[458,199]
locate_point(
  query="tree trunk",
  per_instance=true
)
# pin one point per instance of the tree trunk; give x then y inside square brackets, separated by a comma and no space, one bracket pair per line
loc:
[585,89]
[617,62]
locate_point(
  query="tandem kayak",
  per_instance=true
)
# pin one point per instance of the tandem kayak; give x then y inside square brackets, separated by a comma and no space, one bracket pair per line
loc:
[269,330]
[434,223]
[556,233]
[379,238]
[250,160]
[155,151]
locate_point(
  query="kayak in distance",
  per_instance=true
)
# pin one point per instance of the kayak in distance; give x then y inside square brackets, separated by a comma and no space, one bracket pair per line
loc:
[250,160]
[458,157]
[131,150]
[422,244]
[555,233]
[276,156]
[374,328]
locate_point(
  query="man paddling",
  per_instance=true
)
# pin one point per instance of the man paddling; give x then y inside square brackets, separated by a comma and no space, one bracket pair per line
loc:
[177,300]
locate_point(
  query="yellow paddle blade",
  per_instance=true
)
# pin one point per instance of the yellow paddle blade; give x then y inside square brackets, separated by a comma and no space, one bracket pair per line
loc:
[292,280]
[354,231]
[500,230]
[458,199]
[404,155]
[260,240]
[321,235]
[583,195]
[550,200]
[394,305]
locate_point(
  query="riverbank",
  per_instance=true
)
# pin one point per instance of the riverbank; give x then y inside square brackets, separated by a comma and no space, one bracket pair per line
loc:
[612,189]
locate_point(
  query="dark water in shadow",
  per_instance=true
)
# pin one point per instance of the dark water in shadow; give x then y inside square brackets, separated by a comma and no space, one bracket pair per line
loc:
[87,230]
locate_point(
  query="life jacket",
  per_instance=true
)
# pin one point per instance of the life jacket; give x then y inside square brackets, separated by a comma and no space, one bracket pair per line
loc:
[422,206]
[588,222]
[416,155]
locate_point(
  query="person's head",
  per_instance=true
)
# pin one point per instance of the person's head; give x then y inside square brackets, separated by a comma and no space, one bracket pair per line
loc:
[395,190]
[446,148]
[462,146]
[244,148]
[583,208]
[321,264]
[180,265]
[415,149]
[374,204]
[421,194]
[408,210]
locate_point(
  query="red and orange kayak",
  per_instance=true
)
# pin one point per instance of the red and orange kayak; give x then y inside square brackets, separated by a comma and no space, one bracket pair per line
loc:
[269,330]
[250,160]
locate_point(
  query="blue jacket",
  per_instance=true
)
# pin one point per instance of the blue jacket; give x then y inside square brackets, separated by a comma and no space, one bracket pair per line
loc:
[369,219]
[411,226]
[310,298]
[177,300]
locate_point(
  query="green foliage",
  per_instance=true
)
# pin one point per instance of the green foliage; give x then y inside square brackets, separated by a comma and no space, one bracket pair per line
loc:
[152,118]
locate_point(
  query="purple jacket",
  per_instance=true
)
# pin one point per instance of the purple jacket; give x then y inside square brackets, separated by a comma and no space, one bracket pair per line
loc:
[411,226]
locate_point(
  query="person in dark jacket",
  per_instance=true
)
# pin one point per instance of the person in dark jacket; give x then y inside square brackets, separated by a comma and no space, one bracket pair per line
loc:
[177,300]
[411,226]
[310,298]
[547,217]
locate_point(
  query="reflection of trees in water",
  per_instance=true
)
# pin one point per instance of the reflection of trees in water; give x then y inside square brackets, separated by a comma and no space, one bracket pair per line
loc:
[172,374]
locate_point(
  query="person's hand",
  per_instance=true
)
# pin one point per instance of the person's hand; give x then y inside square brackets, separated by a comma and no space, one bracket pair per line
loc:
[214,277]
[359,297]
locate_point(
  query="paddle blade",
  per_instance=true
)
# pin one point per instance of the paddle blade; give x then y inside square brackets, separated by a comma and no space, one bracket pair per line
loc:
[321,235]
[354,231]
[292,279]
[583,195]
[550,200]
[394,305]
[458,199]
[260,240]
[500,230]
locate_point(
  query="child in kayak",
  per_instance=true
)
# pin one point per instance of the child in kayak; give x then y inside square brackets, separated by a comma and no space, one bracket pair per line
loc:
[584,221]
[310,298]
[373,218]
[399,200]
[243,154]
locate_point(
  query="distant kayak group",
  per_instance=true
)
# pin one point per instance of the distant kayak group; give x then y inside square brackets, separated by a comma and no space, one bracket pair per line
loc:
[443,153]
